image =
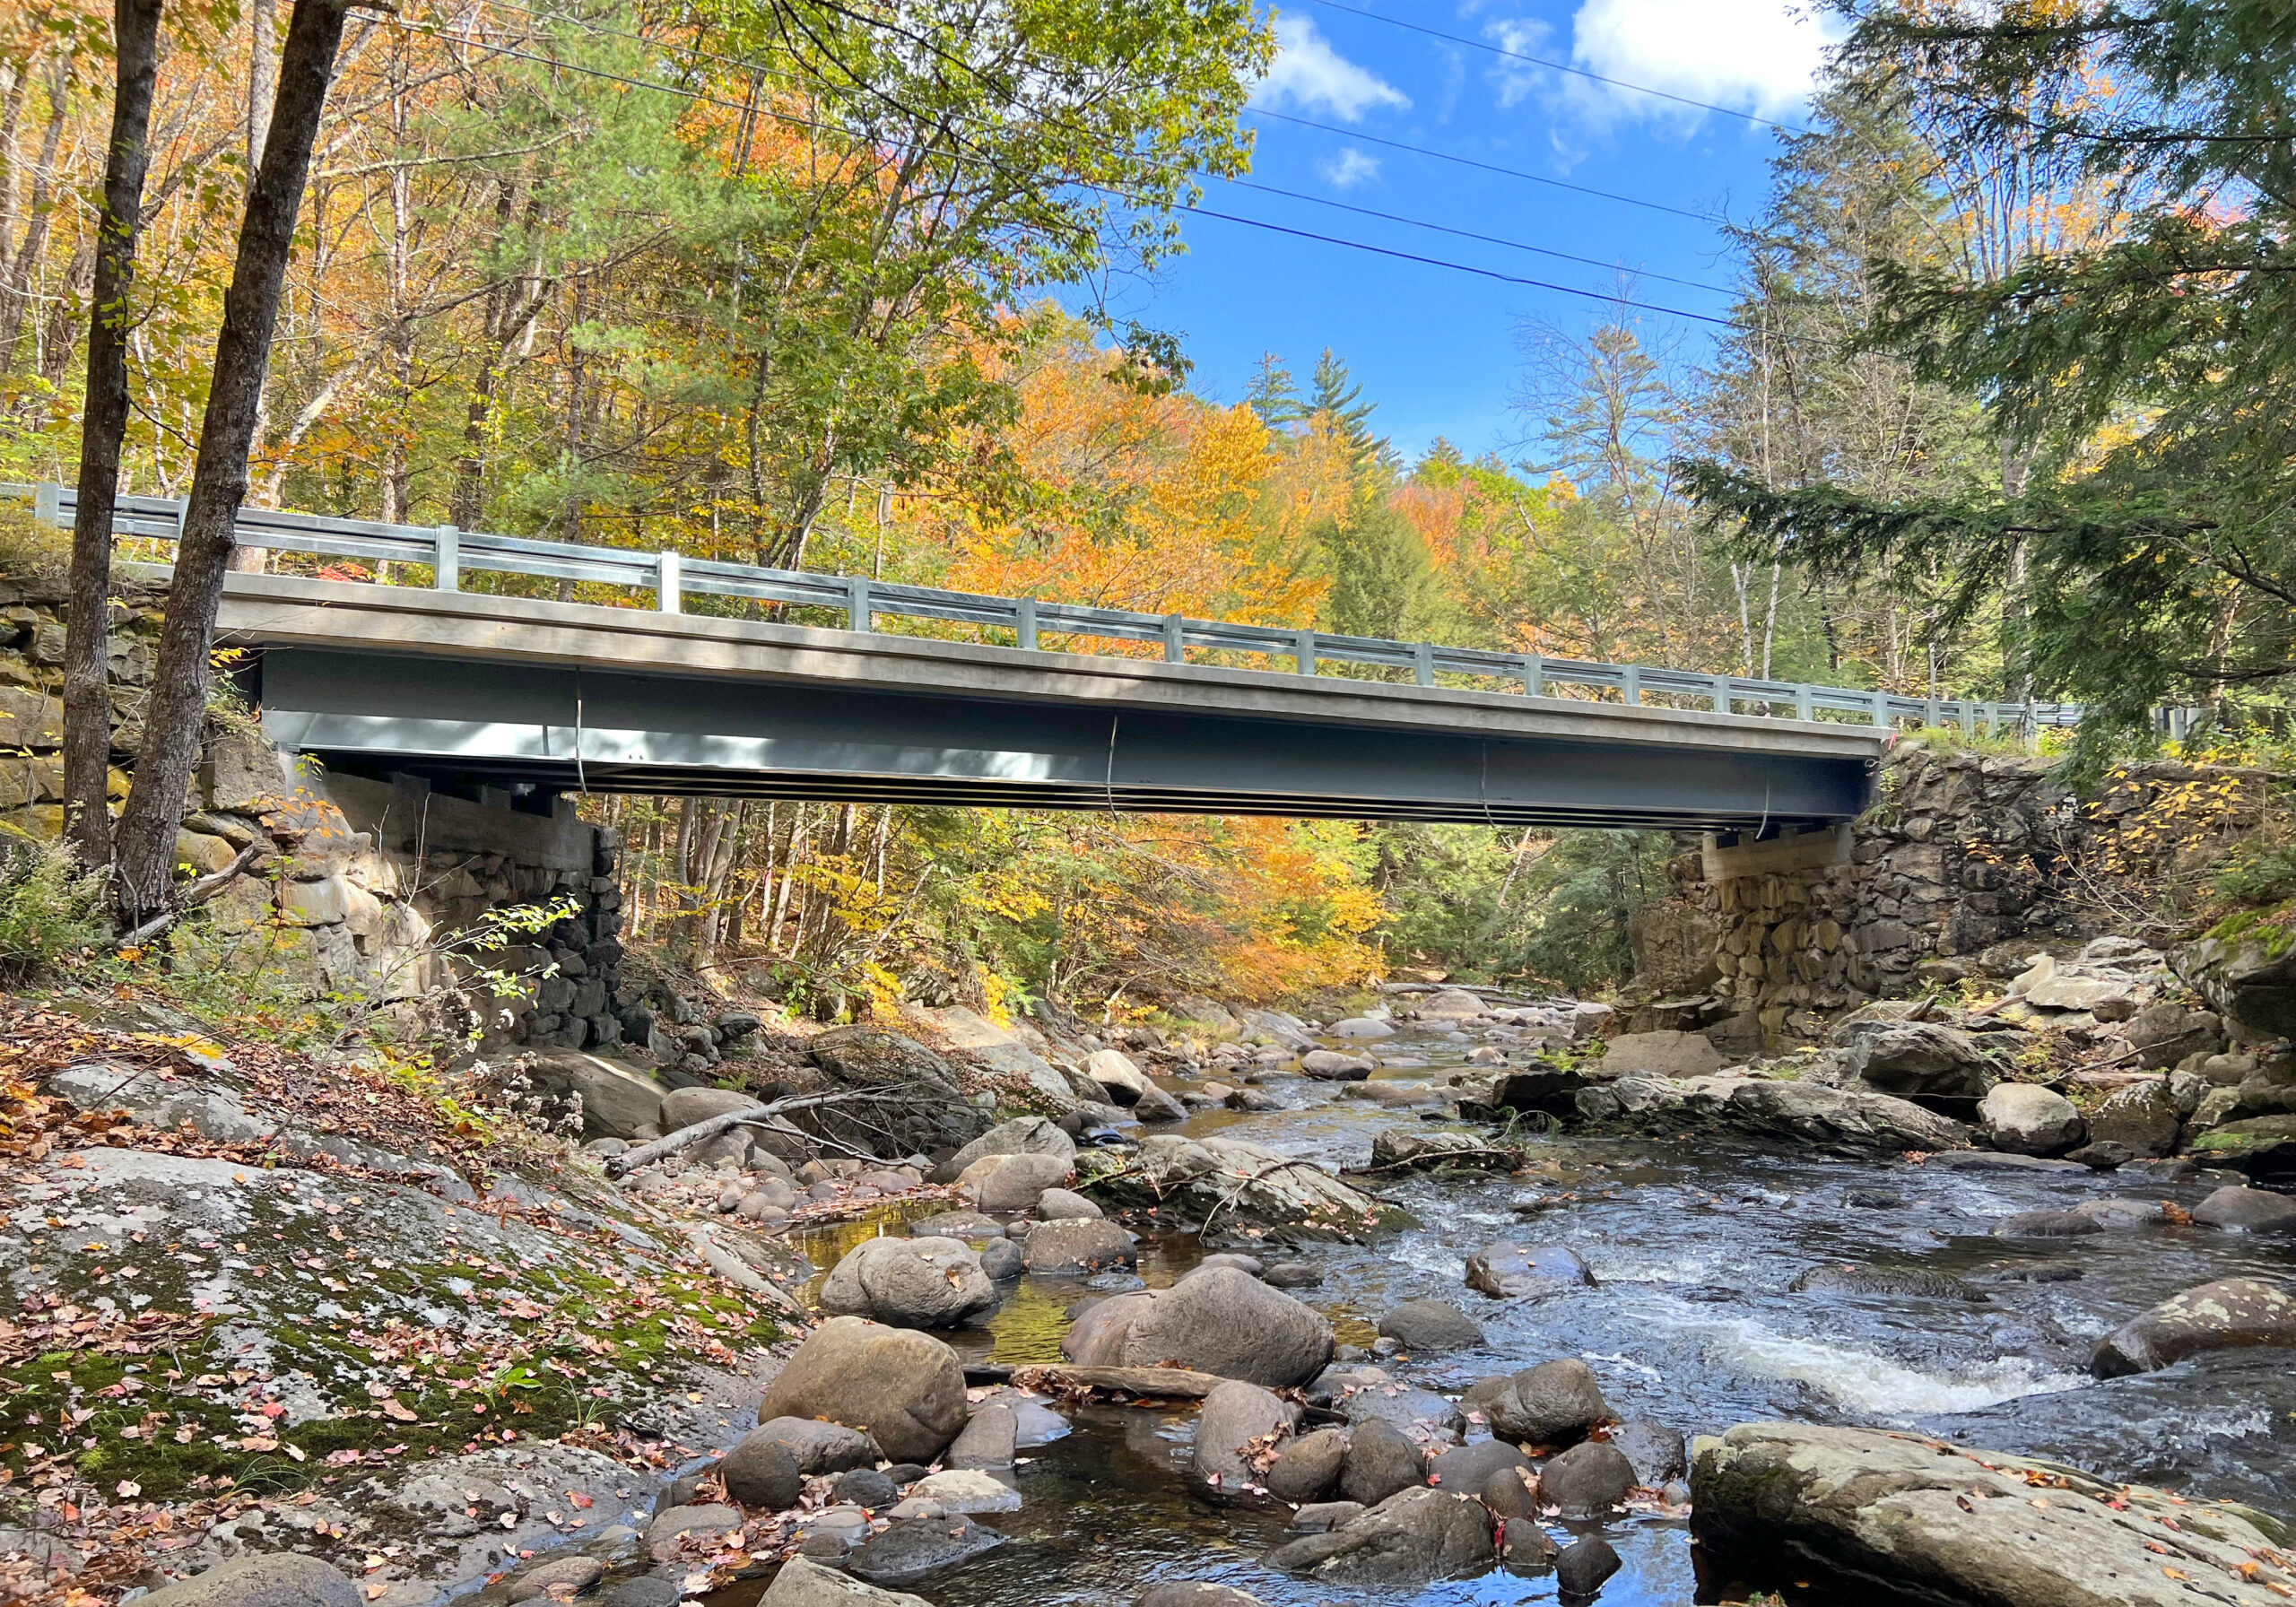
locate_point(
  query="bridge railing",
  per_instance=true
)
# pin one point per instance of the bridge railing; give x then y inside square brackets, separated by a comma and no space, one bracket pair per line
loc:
[449,553]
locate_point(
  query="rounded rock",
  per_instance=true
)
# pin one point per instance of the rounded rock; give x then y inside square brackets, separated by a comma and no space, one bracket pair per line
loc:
[905,1390]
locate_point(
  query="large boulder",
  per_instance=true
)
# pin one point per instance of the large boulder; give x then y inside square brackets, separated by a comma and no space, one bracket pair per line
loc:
[1072,1247]
[761,1471]
[818,1446]
[1129,1085]
[1307,1468]
[915,1102]
[910,1282]
[1921,1060]
[2142,1118]
[1406,1543]
[2262,1146]
[617,1099]
[1434,1147]
[2245,968]
[2025,1118]
[1661,1055]
[683,1107]
[1450,1004]
[1429,1327]
[1028,1074]
[2166,1033]
[1800,1112]
[1220,1320]
[907,1390]
[2247,1210]
[1505,1270]
[1022,1135]
[1870,1514]
[1381,1459]
[1012,1182]
[1587,1480]
[277,1579]
[1195,1594]
[1329,1065]
[2230,1313]
[1238,1423]
[1553,1404]
[805,1583]
[1234,1183]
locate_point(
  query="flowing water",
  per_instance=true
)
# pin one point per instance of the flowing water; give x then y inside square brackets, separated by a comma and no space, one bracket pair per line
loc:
[1694,1244]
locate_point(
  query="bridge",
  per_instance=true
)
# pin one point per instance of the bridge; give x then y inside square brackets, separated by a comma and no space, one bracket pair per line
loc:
[470,687]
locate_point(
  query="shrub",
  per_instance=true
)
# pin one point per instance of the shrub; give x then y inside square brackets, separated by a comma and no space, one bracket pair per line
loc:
[48,911]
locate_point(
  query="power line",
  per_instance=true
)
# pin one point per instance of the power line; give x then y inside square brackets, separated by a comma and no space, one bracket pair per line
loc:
[696,96]
[1469,162]
[1460,267]
[1326,200]
[1469,234]
[1558,67]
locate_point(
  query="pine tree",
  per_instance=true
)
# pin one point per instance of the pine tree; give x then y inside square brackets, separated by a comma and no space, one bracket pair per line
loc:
[1273,395]
[1343,409]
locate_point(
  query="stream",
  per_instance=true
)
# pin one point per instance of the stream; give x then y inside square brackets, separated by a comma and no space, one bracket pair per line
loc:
[1692,1326]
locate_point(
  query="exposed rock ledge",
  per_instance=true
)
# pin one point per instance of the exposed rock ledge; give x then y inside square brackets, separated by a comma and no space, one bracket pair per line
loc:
[1769,1108]
[1900,1518]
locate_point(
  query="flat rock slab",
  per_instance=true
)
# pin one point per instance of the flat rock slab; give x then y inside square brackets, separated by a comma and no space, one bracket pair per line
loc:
[1893,1515]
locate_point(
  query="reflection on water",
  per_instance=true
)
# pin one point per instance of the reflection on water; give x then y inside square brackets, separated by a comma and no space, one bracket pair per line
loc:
[1693,1324]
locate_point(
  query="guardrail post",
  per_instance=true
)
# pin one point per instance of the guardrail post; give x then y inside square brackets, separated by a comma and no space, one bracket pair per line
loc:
[48,502]
[1967,711]
[1881,705]
[667,588]
[860,612]
[1422,663]
[448,561]
[1175,647]
[1935,715]
[1534,674]
[1303,653]
[1024,623]
[1722,694]
[1630,687]
[183,508]
[1806,701]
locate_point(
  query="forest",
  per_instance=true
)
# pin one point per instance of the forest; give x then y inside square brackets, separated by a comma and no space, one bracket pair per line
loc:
[811,284]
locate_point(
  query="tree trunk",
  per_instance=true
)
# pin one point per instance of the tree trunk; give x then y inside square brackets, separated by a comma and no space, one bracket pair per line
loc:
[87,692]
[219,481]
[24,273]
[262,80]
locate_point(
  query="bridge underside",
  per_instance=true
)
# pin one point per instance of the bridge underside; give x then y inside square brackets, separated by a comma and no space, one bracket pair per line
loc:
[467,719]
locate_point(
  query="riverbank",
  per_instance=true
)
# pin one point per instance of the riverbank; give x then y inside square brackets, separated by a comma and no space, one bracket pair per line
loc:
[1729,1280]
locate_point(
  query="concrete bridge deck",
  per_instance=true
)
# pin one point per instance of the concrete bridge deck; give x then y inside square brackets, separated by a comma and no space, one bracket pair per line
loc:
[460,686]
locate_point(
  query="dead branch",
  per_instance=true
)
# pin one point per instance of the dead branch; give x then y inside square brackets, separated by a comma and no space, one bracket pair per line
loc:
[758,1115]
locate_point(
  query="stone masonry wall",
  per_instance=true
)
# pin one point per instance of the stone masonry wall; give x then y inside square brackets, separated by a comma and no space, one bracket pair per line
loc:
[361,884]
[1964,865]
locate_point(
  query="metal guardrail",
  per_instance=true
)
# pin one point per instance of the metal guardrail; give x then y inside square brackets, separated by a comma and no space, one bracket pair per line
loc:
[450,553]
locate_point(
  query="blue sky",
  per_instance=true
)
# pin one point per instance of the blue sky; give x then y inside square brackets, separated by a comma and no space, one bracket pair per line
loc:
[1438,349]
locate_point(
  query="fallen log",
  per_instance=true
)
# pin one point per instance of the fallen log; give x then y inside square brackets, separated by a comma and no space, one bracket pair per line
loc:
[1167,1382]
[757,1115]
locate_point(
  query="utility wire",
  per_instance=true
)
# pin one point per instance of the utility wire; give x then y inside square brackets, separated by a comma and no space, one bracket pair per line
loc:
[700,98]
[1254,111]
[1557,66]
[697,53]
[1469,162]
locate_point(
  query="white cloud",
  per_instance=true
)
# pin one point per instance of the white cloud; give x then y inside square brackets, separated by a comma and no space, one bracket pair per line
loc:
[1308,75]
[1518,81]
[1756,55]
[1349,169]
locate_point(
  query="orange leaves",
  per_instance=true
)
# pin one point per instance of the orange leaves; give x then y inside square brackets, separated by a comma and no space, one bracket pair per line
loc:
[1153,503]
